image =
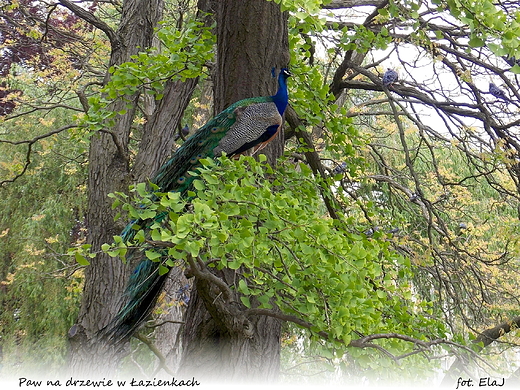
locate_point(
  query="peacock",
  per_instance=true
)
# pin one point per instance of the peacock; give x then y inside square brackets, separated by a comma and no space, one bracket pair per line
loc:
[247,124]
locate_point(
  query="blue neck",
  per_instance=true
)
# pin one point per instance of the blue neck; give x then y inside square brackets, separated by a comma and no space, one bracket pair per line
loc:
[281,98]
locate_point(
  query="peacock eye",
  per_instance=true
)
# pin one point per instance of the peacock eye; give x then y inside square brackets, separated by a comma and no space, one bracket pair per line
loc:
[214,129]
[200,143]
[196,158]
[181,180]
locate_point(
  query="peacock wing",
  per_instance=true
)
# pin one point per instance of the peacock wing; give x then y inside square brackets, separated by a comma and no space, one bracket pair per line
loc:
[174,174]
[252,126]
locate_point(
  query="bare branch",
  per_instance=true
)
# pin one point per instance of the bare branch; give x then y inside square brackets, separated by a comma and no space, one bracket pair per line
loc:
[156,325]
[30,143]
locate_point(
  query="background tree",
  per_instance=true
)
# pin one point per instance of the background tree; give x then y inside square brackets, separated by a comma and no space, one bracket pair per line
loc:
[110,170]
[42,178]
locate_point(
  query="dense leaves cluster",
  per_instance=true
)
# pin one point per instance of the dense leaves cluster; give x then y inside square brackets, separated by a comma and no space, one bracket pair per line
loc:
[181,55]
[270,224]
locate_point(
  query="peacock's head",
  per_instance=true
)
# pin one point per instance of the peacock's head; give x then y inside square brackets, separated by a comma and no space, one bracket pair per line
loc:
[284,72]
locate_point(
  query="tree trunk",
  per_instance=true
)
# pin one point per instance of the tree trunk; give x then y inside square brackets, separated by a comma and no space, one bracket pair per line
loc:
[252,40]
[109,171]
[219,342]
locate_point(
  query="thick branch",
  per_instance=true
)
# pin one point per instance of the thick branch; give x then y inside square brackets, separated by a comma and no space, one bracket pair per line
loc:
[209,277]
[487,337]
[287,318]
[493,334]
[363,342]
[93,20]
[339,4]
[462,109]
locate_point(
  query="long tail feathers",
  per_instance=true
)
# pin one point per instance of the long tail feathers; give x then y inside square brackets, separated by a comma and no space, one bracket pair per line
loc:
[143,289]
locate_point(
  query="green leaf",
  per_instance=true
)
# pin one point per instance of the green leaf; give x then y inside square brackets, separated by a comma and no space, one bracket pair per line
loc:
[242,287]
[245,301]
[82,260]
[141,189]
[163,270]
[198,185]
[476,42]
[152,255]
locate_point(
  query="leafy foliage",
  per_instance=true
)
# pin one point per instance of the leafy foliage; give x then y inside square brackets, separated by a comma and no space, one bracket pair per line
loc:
[29,44]
[40,287]
[426,243]
[270,225]
[182,55]
[42,176]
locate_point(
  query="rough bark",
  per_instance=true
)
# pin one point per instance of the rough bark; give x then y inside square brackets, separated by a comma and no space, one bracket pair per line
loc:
[159,131]
[219,342]
[168,332]
[109,171]
[252,39]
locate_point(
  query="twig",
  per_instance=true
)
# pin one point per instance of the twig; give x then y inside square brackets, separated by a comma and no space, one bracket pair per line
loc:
[30,143]
[153,348]
[152,326]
